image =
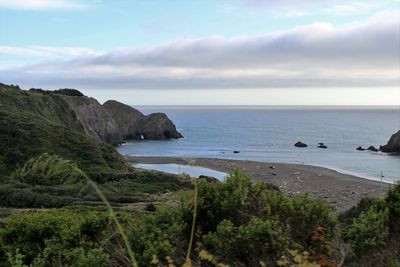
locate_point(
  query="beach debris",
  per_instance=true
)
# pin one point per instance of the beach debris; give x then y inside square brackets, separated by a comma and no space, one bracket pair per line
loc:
[236,151]
[272,167]
[321,145]
[360,148]
[372,148]
[296,173]
[283,185]
[300,144]
[272,173]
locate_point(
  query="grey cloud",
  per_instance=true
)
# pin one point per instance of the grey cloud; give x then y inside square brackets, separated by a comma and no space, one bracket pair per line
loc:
[317,55]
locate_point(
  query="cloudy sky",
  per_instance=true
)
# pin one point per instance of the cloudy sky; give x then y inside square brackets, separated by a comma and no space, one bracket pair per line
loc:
[246,52]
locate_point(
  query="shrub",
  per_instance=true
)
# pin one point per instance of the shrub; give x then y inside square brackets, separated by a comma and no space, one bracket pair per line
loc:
[48,238]
[393,201]
[161,233]
[258,240]
[368,231]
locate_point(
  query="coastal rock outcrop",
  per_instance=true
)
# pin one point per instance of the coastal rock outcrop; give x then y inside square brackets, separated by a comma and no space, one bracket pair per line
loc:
[300,144]
[113,122]
[393,145]
[158,126]
[127,118]
[96,120]
[360,148]
[134,125]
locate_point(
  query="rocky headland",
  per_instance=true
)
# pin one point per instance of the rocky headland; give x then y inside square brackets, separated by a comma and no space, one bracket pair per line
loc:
[114,122]
[393,145]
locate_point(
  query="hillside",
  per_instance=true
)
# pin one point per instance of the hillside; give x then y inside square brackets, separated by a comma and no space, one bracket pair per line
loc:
[32,123]
[71,125]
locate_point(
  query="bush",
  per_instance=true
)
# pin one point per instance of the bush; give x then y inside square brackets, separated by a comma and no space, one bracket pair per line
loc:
[48,170]
[48,238]
[393,201]
[368,231]
[258,240]
[238,222]
[161,233]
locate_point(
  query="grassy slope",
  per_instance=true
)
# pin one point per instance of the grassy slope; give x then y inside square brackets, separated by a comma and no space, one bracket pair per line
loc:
[34,123]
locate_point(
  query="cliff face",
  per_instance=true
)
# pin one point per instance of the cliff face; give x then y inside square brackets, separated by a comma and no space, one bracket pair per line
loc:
[134,125]
[158,126]
[393,145]
[97,122]
[127,118]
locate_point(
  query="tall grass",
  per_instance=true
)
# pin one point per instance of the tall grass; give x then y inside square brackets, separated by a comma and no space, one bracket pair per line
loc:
[193,223]
[113,217]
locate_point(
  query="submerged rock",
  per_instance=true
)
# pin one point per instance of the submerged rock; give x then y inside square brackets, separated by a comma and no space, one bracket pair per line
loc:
[393,145]
[300,144]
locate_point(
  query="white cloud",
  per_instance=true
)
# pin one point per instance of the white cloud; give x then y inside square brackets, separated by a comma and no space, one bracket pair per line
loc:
[297,8]
[317,55]
[47,51]
[40,4]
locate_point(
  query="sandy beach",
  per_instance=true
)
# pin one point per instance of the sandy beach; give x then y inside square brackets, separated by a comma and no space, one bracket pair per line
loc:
[340,190]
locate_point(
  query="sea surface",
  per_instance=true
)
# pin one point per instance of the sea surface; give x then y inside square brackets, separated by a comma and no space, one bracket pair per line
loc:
[268,134]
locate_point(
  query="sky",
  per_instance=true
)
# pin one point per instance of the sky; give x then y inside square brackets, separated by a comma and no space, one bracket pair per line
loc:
[208,52]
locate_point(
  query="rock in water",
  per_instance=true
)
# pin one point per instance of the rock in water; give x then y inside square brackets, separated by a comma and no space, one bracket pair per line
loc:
[236,151]
[393,145]
[127,118]
[134,125]
[300,144]
[158,126]
[360,148]
[372,148]
[321,145]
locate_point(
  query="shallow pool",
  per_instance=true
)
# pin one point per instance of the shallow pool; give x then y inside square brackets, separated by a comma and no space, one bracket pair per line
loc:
[194,171]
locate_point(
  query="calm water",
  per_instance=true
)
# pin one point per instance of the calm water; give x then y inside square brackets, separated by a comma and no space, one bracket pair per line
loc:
[268,134]
[194,171]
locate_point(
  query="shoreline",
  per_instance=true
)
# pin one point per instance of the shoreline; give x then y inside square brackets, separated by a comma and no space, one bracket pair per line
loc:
[340,190]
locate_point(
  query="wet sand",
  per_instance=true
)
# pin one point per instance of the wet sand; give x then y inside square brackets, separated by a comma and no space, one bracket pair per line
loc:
[342,191]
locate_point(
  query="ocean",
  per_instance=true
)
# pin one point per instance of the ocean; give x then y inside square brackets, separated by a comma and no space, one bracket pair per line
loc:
[268,134]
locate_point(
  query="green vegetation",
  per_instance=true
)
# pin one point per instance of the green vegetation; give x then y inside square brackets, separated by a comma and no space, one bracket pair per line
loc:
[32,123]
[83,205]
[372,229]
[48,170]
